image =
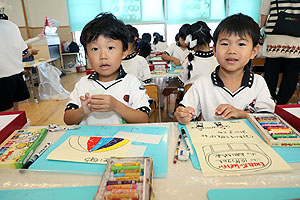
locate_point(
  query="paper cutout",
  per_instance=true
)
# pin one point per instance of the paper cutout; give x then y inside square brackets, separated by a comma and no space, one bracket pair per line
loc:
[232,148]
[96,91]
[90,149]
[139,137]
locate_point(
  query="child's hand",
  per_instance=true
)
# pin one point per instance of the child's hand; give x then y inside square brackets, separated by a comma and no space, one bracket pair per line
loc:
[184,115]
[103,103]
[176,61]
[84,103]
[228,111]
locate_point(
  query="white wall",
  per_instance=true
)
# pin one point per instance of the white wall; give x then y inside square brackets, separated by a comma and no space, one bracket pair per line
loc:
[37,10]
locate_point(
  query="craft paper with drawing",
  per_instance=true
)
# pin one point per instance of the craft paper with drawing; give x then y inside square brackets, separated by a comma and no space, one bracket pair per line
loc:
[232,148]
[90,149]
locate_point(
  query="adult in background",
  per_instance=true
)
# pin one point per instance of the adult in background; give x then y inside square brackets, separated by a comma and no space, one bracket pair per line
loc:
[12,49]
[282,51]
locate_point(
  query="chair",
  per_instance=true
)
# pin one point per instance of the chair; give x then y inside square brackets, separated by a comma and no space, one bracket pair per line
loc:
[154,99]
[186,88]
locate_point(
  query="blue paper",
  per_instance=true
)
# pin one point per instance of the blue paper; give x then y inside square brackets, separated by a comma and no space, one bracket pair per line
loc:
[158,152]
[289,154]
[254,193]
[74,193]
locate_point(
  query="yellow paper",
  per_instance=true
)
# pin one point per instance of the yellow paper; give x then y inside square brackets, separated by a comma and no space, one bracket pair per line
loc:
[232,148]
[82,149]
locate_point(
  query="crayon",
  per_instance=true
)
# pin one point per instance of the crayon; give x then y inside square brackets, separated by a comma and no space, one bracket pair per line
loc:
[128,171]
[128,174]
[123,191]
[123,186]
[122,196]
[125,164]
[284,136]
[121,182]
[136,178]
[124,167]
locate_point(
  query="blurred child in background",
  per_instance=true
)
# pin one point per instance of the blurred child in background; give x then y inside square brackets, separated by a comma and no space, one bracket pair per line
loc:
[202,61]
[134,63]
[177,52]
[159,45]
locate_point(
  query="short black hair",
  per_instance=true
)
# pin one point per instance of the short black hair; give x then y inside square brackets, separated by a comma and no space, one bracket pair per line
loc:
[239,24]
[200,31]
[183,31]
[105,24]
[146,37]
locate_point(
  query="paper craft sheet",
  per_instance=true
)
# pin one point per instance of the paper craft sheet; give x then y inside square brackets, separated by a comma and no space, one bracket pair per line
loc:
[232,148]
[90,149]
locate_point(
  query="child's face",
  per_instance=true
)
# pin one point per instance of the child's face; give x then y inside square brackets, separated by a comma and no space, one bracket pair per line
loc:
[234,52]
[105,56]
[182,42]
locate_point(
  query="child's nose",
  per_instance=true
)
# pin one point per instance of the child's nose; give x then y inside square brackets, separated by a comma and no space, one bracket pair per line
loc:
[102,55]
[231,49]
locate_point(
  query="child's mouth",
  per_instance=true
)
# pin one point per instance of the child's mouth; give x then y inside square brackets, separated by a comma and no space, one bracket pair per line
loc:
[231,60]
[104,66]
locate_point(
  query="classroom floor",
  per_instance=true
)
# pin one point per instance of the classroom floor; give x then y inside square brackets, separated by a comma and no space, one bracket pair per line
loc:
[52,111]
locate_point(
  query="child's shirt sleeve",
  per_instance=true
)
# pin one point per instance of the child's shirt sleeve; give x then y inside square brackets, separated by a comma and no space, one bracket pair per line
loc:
[138,98]
[145,71]
[192,99]
[183,75]
[264,101]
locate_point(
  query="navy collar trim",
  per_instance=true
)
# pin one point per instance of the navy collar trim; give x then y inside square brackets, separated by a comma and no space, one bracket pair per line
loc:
[95,76]
[204,54]
[247,80]
[130,56]
[3,16]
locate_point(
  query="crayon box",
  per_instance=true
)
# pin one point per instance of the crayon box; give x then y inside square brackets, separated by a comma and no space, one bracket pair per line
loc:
[19,147]
[127,178]
[275,130]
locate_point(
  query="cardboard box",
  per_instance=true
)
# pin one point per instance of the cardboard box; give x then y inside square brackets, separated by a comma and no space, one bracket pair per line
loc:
[265,134]
[11,121]
[288,116]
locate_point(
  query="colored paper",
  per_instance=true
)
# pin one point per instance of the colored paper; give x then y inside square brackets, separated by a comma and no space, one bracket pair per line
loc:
[231,148]
[88,149]
[254,193]
[158,152]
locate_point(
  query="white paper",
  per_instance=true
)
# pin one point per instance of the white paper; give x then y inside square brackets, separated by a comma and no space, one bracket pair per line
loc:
[294,111]
[136,151]
[6,119]
[139,137]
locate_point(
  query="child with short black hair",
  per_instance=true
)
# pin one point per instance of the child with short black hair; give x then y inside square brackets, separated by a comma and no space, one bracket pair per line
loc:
[159,45]
[202,61]
[232,90]
[177,52]
[109,95]
[133,63]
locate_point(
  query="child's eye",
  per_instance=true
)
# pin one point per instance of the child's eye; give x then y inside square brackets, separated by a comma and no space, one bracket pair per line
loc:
[224,44]
[242,44]
[111,48]
[94,49]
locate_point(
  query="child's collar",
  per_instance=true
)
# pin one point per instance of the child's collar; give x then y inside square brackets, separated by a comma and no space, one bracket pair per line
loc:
[204,54]
[247,80]
[95,75]
[130,56]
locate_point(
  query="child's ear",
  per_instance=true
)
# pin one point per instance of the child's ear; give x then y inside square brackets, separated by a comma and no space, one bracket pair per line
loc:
[254,51]
[124,54]
[214,50]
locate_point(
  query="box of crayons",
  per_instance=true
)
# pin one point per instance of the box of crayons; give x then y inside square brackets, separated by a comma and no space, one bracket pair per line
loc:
[274,130]
[127,178]
[19,147]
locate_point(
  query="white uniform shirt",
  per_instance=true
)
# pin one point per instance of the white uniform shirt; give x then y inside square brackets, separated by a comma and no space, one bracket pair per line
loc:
[160,46]
[126,89]
[12,46]
[204,64]
[207,93]
[138,66]
[177,52]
